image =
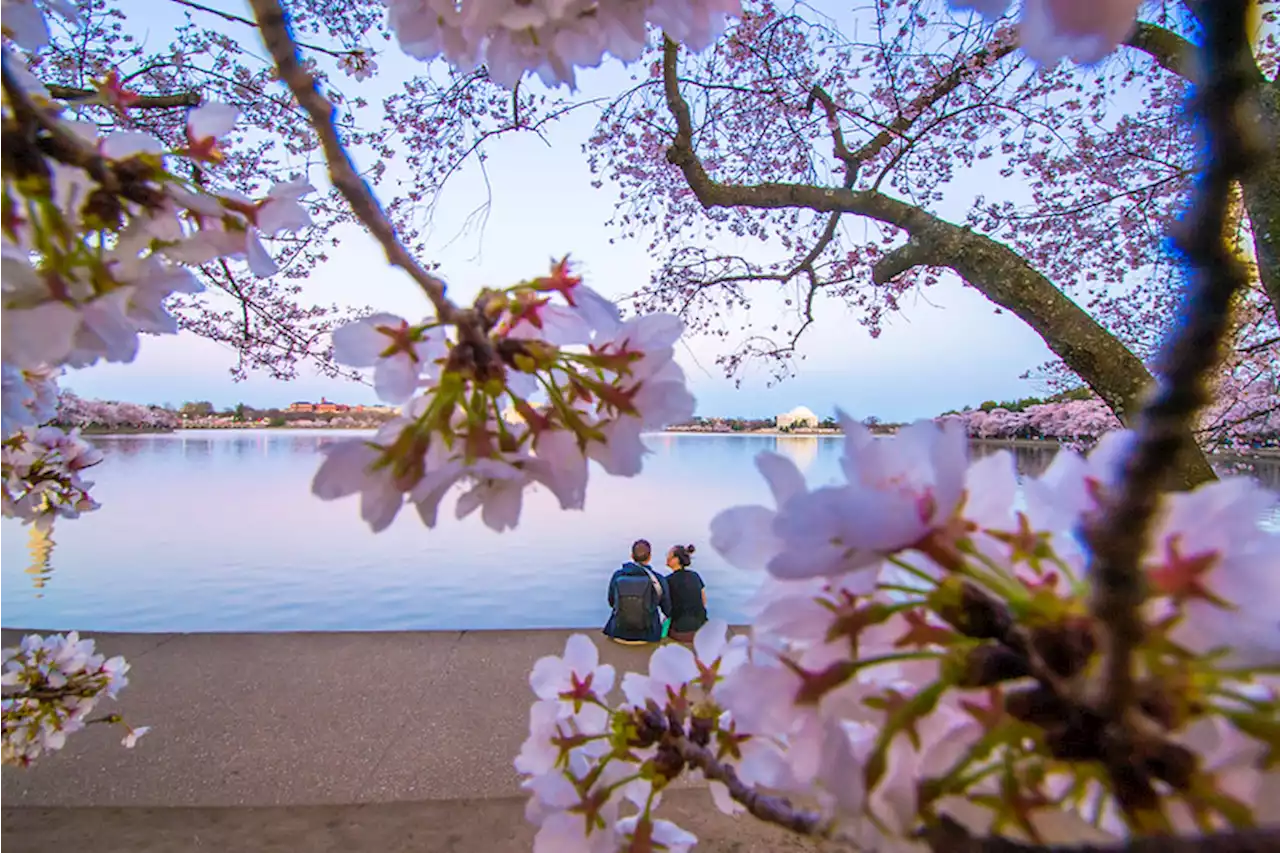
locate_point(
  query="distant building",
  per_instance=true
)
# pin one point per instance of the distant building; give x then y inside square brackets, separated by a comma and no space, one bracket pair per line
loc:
[325,406]
[798,418]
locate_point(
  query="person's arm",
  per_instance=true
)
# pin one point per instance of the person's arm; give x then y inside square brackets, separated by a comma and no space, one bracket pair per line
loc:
[613,581]
[702,587]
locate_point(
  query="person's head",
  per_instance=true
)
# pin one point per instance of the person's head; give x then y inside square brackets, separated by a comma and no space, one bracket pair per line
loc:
[680,556]
[641,551]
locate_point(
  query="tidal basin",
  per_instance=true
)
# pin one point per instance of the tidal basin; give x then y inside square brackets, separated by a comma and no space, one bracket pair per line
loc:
[218,531]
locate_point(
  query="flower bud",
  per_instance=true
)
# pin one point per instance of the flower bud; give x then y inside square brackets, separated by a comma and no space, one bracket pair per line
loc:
[476,362]
[650,726]
[970,610]
[1078,738]
[1132,786]
[103,210]
[675,722]
[1159,703]
[23,161]
[668,762]
[138,176]
[1173,764]
[490,305]
[1067,646]
[700,729]
[991,664]
[1037,705]
[527,355]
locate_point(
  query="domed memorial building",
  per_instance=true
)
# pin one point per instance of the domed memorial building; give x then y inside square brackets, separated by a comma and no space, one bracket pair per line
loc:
[798,418]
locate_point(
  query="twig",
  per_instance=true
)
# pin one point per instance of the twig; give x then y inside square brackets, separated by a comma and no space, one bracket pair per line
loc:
[274,26]
[1119,538]
[766,807]
[237,19]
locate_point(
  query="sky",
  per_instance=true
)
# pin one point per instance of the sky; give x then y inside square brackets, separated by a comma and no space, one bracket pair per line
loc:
[947,348]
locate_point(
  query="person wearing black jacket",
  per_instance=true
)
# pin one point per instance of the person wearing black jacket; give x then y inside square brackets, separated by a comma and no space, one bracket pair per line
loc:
[638,598]
[688,595]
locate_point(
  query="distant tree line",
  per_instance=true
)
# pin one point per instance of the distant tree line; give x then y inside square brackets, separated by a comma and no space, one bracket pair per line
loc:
[203,412]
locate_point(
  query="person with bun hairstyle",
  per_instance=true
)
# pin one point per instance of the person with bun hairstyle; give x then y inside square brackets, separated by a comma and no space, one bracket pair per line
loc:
[688,595]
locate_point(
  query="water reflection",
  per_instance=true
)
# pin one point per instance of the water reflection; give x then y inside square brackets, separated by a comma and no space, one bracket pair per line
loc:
[40,546]
[802,449]
[1031,461]
[219,531]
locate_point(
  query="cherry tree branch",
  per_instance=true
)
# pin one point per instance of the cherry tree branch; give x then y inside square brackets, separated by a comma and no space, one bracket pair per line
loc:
[274,26]
[73,95]
[1001,274]
[1170,51]
[899,259]
[944,86]
[1232,146]
[766,807]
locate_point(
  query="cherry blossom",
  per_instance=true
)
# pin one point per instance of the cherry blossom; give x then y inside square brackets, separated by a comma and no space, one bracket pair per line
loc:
[1085,32]
[1213,564]
[897,490]
[656,834]
[574,677]
[358,64]
[52,684]
[401,357]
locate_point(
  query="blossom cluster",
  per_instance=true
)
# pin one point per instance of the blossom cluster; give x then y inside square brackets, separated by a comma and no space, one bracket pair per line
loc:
[30,397]
[551,39]
[527,396]
[922,648]
[41,467]
[95,242]
[77,412]
[585,763]
[1070,420]
[51,686]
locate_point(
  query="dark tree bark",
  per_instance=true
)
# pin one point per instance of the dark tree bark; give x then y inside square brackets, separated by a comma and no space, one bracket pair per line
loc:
[1262,190]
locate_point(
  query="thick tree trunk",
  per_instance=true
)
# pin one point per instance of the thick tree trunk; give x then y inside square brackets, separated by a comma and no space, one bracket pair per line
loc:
[1262,199]
[1002,275]
[1262,193]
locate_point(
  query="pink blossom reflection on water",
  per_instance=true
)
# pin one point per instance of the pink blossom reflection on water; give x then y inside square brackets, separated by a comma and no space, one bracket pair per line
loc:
[218,531]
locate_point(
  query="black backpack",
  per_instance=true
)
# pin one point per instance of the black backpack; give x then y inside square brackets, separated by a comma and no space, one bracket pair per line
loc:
[633,595]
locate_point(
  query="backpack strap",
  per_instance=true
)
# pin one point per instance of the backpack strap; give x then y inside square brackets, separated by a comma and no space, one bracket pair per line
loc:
[657,584]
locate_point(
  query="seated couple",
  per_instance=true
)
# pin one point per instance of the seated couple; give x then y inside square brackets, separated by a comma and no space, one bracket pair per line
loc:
[640,598]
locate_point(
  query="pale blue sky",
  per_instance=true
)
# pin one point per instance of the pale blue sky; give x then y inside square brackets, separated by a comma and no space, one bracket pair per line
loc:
[940,352]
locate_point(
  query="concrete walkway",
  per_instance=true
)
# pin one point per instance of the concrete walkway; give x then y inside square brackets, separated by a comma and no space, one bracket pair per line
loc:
[397,736]
[306,719]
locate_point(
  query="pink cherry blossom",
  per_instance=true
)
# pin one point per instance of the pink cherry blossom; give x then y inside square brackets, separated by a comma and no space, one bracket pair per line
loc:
[399,358]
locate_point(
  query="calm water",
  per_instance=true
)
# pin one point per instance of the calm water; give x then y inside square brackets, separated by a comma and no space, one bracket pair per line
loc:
[218,531]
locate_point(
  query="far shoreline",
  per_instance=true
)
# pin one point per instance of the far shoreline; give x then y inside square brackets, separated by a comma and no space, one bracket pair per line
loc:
[1019,443]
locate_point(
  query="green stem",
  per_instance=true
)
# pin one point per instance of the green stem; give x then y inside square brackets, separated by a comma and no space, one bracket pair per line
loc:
[915,570]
